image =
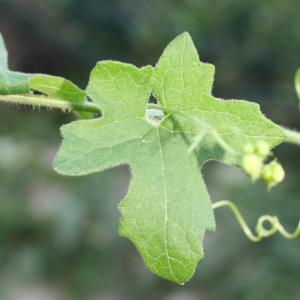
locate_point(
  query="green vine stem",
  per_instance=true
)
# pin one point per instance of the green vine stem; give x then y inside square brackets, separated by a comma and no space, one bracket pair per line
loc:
[293,137]
[40,101]
[261,230]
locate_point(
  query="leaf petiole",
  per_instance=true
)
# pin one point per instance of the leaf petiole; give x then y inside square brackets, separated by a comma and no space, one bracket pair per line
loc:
[292,136]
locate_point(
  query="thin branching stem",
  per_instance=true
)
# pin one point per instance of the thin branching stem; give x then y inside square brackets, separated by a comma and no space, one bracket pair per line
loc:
[261,230]
[292,136]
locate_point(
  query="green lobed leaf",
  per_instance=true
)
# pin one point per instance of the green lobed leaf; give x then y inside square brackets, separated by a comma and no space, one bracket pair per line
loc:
[297,84]
[167,209]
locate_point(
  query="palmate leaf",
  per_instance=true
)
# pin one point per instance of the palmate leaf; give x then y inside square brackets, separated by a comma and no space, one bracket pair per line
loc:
[167,209]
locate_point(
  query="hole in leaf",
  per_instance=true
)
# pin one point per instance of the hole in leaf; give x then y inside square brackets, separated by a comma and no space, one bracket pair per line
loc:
[154,115]
[37,93]
[153,100]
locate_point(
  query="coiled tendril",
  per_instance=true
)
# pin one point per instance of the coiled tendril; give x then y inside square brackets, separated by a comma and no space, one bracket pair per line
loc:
[261,230]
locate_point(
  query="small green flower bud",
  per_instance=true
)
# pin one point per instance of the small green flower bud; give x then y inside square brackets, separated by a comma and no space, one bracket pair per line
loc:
[272,173]
[248,149]
[252,164]
[262,149]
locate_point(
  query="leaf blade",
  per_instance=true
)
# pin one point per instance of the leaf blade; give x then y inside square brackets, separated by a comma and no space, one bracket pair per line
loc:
[167,219]
[192,85]
[180,79]
[120,89]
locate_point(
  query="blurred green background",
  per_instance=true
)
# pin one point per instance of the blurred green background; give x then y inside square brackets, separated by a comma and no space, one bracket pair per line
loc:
[58,236]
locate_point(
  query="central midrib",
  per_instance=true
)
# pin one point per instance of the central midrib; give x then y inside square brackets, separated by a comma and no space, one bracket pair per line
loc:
[166,206]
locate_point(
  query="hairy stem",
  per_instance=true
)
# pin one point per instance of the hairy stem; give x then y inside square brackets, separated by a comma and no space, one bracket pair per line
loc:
[261,230]
[41,101]
[293,136]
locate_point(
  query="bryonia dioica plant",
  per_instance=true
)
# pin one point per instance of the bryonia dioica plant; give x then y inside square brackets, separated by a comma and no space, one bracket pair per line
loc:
[165,141]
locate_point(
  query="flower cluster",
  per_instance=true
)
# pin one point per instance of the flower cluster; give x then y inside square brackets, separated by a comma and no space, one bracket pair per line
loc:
[255,164]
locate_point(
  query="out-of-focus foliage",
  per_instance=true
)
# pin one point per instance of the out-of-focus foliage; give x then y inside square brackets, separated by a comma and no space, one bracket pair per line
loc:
[58,235]
[297,84]
[10,82]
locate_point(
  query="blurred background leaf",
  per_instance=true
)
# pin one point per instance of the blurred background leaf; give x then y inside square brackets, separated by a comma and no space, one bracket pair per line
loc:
[58,235]
[297,84]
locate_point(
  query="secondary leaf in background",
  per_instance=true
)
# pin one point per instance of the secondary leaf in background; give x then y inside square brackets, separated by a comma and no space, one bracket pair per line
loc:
[60,88]
[11,82]
[3,55]
[167,209]
[297,84]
